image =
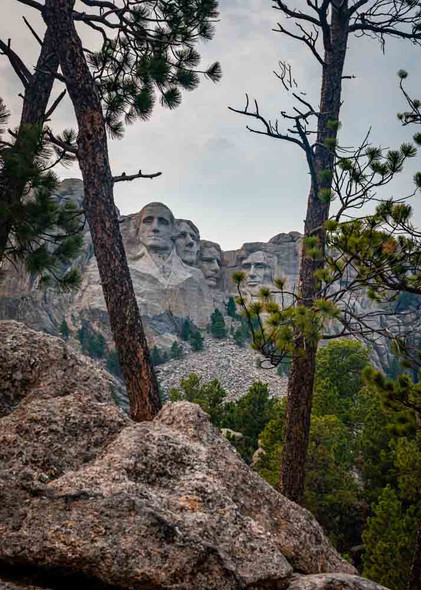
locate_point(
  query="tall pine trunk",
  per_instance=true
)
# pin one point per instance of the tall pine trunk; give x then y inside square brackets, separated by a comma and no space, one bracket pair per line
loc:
[414,581]
[37,95]
[301,380]
[126,324]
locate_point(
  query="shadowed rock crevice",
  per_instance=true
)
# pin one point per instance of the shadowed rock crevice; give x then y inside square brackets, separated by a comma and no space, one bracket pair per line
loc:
[22,575]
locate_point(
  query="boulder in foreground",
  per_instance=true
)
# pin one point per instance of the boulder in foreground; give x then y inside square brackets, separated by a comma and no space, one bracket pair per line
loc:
[90,497]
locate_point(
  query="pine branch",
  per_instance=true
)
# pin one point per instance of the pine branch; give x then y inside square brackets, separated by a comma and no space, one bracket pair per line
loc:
[127,178]
[32,4]
[279,5]
[32,31]
[61,144]
[379,30]
[306,38]
[54,105]
[17,64]
[270,130]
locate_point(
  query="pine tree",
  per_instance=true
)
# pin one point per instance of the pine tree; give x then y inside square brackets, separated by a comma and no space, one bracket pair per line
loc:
[37,90]
[231,308]
[158,356]
[113,364]
[64,330]
[249,415]
[39,232]
[388,540]
[325,29]
[186,330]
[176,351]
[403,398]
[196,341]
[217,325]
[126,92]
[240,336]
[209,396]
[93,343]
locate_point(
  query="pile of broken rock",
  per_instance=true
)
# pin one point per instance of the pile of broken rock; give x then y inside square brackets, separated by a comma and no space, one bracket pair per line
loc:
[89,498]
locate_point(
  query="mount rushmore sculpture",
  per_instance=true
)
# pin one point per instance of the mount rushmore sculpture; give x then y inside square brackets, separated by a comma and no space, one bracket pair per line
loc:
[176,274]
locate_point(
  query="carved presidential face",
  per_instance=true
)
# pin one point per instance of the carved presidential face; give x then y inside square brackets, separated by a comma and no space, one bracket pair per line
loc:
[257,270]
[210,264]
[157,228]
[187,241]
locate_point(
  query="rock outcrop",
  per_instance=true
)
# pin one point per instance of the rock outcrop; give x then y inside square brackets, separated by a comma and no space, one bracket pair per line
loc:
[89,498]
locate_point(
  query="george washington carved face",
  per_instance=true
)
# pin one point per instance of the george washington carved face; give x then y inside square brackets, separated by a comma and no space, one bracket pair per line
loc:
[157,228]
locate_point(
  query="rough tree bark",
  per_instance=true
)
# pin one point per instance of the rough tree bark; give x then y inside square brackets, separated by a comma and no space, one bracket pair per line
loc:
[37,94]
[126,324]
[414,580]
[301,380]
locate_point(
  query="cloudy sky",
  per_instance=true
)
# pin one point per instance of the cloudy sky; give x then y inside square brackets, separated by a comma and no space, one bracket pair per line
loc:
[237,186]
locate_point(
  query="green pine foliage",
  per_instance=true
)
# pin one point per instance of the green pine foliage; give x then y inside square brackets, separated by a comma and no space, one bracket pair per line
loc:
[113,364]
[331,492]
[93,343]
[64,330]
[217,325]
[158,356]
[241,334]
[45,235]
[186,330]
[153,57]
[249,415]
[389,540]
[339,379]
[209,396]
[284,367]
[176,351]
[196,341]
[231,308]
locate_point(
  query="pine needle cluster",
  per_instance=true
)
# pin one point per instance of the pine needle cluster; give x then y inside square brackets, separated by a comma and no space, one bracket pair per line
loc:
[45,235]
[152,57]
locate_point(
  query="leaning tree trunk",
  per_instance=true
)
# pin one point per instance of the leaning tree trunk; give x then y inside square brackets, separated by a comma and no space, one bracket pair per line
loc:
[414,581]
[301,380]
[100,212]
[37,95]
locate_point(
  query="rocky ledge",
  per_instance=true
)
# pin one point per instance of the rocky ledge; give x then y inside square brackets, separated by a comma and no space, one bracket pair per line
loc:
[89,498]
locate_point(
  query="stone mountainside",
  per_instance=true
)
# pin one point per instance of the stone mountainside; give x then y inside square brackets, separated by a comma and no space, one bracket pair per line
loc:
[235,368]
[90,499]
[176,275]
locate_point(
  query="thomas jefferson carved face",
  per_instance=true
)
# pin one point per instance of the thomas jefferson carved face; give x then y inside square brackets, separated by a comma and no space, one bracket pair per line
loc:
[187,241]
[157,228]
[258,271]
[210,262]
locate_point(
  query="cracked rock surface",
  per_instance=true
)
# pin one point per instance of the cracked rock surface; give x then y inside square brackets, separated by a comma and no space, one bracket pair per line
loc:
[90,499]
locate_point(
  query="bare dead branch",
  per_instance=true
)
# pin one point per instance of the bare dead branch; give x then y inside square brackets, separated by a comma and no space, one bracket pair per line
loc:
[17,64]
[129,177]
[55,105]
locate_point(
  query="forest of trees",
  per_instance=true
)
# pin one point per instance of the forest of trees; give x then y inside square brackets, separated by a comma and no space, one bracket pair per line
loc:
[346,441]
[363,466]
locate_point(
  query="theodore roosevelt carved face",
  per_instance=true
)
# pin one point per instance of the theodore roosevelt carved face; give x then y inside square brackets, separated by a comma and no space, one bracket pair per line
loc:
[210,262]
